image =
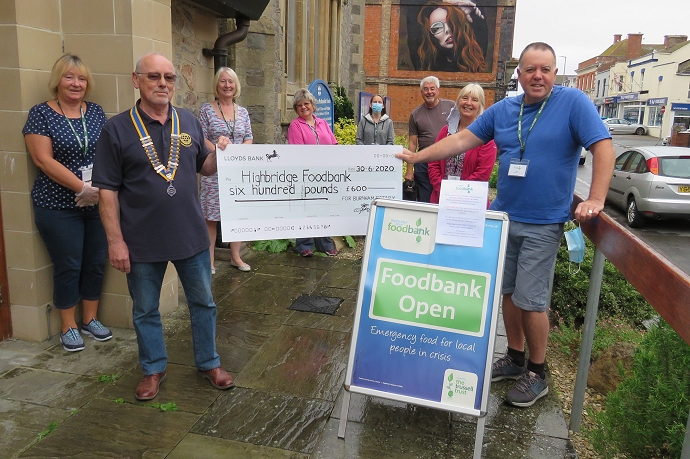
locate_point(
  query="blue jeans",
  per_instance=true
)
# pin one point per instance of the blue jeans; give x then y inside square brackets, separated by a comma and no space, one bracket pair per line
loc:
[323,244]
[76,242]
[144,281]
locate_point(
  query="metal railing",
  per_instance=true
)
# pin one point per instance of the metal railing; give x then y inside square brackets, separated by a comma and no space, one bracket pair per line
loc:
[660,282]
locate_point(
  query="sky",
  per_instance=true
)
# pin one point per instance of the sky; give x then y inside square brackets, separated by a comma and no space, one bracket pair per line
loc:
[582,29]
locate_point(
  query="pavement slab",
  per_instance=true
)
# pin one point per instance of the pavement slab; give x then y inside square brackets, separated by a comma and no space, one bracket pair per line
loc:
[303,362]
[313,273]
[240,335]
[49,388]
[21,422]
[21,353]
[106,429]
[343,274]
[375,411]
[262,418]
[267,294]
[104,357]
[195,446]
[366,441]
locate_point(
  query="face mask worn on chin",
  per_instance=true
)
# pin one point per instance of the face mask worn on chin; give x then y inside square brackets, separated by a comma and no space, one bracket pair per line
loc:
[576,246]
[376,107]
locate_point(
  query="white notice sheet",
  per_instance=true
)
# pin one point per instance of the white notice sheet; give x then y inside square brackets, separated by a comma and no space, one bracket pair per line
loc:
[461,213]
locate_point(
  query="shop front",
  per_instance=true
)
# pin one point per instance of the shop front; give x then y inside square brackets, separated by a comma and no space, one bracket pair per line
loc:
[656,107]
[680,114]
[608,107]
[630,107]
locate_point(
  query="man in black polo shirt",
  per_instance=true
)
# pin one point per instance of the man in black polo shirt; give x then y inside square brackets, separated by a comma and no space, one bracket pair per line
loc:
[146,163]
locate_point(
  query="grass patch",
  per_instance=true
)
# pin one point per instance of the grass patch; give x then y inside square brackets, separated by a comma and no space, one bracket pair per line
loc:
[45,433]
[566,337]
[108,378]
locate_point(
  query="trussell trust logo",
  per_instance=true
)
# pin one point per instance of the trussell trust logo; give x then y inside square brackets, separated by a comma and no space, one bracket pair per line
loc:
[408,231]
[459,388]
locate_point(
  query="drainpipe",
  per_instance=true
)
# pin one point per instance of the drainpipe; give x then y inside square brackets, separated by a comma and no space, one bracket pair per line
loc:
[220,47]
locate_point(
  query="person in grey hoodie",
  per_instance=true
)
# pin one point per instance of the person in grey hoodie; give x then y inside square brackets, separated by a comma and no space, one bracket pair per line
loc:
[375,128]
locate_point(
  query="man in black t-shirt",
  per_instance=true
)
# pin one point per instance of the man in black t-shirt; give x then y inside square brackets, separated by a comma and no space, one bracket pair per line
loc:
[145,165]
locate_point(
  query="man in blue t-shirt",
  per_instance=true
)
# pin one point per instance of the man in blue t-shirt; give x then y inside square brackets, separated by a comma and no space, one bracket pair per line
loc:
[145,165]
[539,137]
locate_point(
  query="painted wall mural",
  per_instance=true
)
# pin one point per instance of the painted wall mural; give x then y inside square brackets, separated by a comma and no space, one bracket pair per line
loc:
[447,35]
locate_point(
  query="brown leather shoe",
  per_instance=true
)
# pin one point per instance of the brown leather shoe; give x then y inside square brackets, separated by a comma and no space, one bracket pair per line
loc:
[148,386]
[219,378]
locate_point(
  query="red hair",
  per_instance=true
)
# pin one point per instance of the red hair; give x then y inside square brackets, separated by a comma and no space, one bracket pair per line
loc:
[467,54]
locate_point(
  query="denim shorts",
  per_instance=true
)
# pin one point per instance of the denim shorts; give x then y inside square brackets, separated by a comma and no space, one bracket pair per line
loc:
[77,246]
[530,257]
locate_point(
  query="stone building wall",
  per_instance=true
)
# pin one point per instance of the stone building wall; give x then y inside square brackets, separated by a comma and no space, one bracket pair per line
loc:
[352,73]
[192,31]
[259,67]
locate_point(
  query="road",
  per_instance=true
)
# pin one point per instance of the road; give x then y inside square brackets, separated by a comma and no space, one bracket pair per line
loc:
[671,238]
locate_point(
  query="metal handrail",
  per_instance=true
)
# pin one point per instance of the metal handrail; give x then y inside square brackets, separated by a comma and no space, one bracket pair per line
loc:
[659,281]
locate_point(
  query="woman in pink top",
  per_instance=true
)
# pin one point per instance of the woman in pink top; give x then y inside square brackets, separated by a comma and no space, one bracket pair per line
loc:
[475,164]
[307,129]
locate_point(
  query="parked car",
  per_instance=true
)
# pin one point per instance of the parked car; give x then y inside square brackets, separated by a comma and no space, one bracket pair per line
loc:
[583,156]
[651,182]
[622,126]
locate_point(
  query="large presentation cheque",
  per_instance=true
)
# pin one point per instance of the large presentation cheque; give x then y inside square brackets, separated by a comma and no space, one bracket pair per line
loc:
[290,191]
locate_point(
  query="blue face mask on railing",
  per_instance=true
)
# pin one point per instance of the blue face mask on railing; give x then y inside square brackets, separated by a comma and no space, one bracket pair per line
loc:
[576,246]
[377,107]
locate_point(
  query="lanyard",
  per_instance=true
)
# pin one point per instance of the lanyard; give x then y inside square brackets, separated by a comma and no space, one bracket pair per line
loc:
[534,121]
[313,129]
[84,146]
[231,130]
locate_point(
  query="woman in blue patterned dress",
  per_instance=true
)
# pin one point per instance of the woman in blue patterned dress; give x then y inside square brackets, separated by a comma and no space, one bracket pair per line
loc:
[223,117]
[61,135]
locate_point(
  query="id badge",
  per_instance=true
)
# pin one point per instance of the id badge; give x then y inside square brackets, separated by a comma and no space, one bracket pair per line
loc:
[86,173]
[453,177]
[518,168]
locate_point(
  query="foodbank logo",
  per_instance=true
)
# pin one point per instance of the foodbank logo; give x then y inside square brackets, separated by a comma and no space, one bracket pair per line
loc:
[397,226]
[467,187]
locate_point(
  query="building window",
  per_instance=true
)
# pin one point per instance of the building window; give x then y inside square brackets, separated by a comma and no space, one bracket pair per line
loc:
[633,113]
[311,39]
[290,40]
[655,116]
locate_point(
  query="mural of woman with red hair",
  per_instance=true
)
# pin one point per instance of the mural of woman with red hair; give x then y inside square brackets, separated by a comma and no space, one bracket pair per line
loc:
[448,40]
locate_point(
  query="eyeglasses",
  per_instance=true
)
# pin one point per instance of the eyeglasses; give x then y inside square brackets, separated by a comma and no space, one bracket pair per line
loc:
[156,77]
[437,27]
